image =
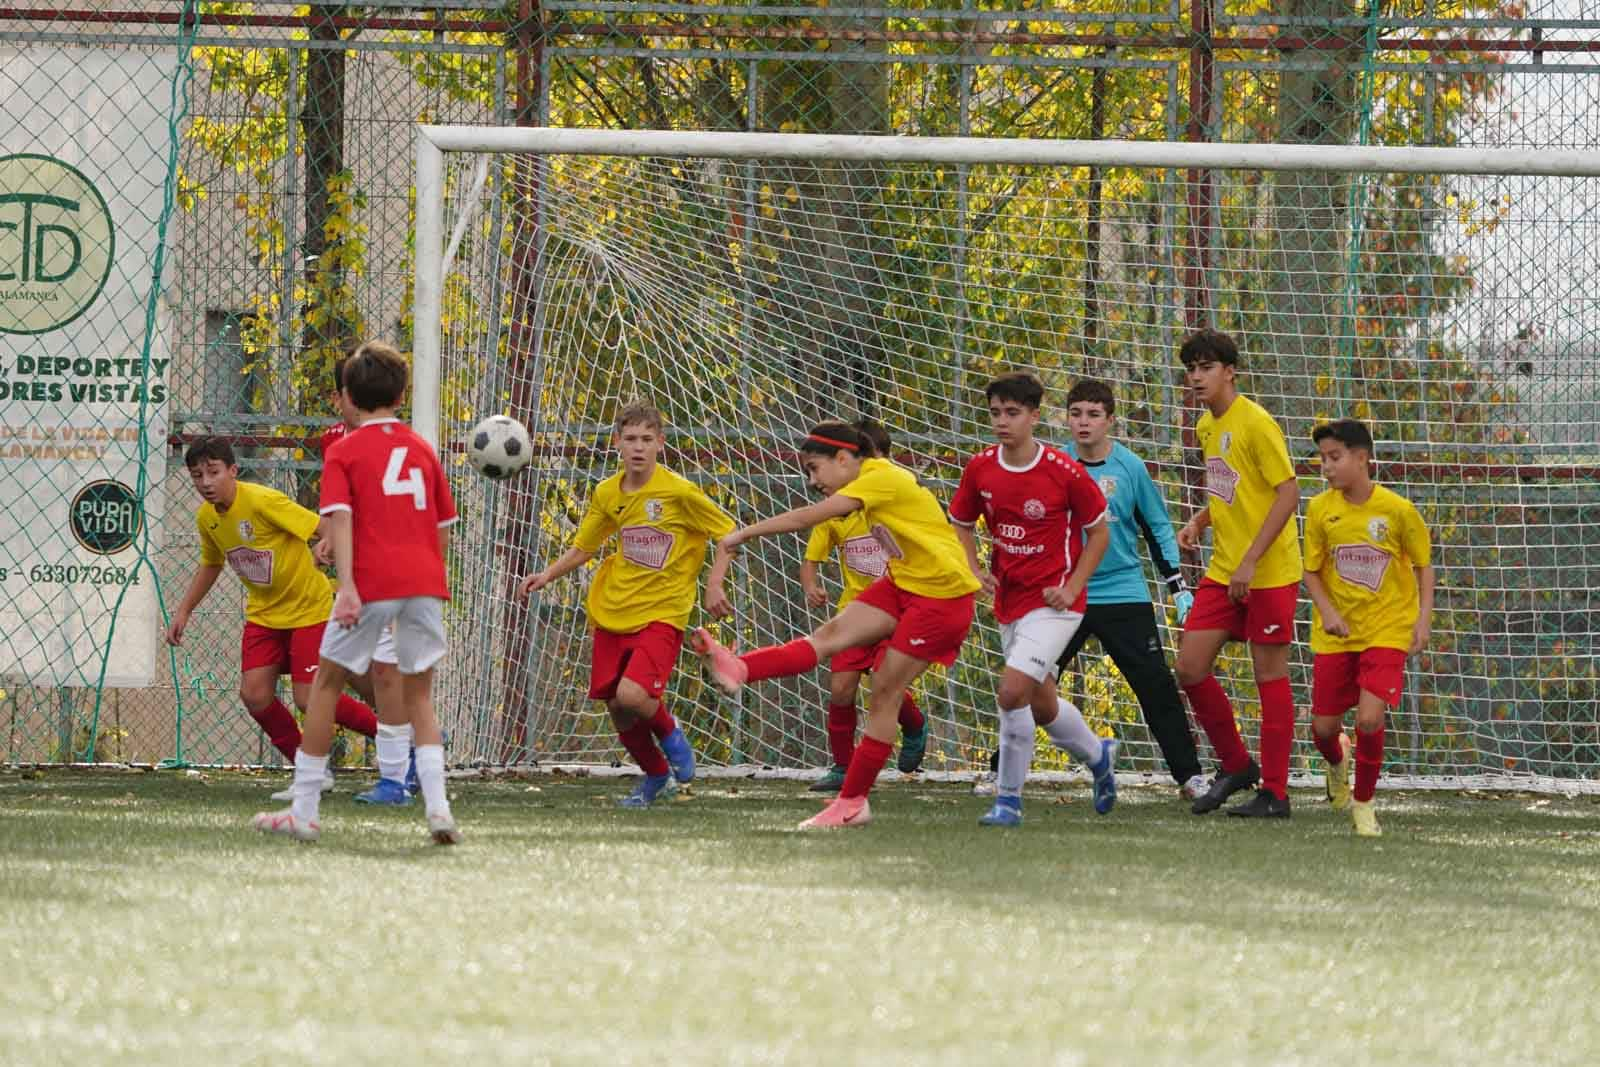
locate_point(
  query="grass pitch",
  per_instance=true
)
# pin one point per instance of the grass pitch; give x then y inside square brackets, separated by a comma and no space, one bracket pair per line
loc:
[142,922]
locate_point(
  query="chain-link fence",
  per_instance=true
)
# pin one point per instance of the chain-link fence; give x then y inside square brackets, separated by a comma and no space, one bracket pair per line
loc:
[267,167]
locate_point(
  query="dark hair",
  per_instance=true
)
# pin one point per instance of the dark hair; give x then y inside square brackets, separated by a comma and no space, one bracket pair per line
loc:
[877,436]
[858,439]
[1208,345]
[641,413]
[1352,433]
[207,448]
[374,376]
[1021,387]
[1090,391]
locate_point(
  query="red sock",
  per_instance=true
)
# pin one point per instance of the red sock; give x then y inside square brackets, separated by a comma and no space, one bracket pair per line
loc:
[641,745]
[1369,761]
[871,755]
[1215,716]
[1329,746]
[278,723]
[778,661]
[1277,735]
[354,715]
[662,723]
[911,718]
[842,733]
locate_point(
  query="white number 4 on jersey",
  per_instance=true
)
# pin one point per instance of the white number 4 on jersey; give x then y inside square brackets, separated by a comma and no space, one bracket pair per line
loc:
[410,485]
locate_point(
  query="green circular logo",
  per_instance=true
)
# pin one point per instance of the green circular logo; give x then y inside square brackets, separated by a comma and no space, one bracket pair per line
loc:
[106,517]
[56,243]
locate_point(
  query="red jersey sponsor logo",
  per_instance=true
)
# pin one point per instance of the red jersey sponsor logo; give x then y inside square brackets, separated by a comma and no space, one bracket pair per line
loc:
[646,546]
[252,564]
[1222,481]
[1361,565]
[864,555]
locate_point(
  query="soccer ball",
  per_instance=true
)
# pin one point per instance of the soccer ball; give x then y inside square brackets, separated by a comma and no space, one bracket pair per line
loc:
[499,447]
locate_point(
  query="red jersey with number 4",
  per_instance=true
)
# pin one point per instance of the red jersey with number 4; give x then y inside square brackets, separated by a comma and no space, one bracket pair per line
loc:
[392,483]
[1036,515]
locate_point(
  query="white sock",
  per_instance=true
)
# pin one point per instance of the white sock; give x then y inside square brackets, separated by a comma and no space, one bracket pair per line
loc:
[309,771]
[1016,750]
[430,773]
[1069,731]
[394,751]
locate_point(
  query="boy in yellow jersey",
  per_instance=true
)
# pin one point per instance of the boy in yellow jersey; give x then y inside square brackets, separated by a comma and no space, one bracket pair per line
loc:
[261,534]
[861,562]
[922,607]
[1251,586]
[1369,574]
[641,596]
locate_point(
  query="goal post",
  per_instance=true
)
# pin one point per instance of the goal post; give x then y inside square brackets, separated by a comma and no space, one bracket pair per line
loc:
[749,284]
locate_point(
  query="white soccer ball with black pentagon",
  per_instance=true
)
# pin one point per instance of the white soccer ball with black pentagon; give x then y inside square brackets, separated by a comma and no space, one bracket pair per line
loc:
[499,447]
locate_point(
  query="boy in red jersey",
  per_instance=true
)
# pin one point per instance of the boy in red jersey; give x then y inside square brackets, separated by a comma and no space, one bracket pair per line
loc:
[922,607]
[861,562]
[1371,585]
[397,778]
[641,596]
[388,511]
[1046,520]
[1250,589]
[261,534]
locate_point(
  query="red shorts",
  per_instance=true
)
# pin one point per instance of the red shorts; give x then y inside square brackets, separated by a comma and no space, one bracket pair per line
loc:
[1337,678]
[928,628]
[862,658]
[1265,617]
[645,658]
[296,651]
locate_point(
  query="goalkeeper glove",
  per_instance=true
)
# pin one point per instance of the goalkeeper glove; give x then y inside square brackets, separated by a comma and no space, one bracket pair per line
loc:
[1183,600]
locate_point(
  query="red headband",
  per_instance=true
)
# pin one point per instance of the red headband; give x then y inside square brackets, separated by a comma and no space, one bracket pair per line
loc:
[821,440]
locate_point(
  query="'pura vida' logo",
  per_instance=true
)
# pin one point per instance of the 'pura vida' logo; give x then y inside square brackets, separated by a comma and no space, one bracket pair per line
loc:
[57,243]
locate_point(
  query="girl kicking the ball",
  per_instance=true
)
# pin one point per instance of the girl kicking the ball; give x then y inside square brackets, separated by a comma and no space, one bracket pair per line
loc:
[922,607]
[641,595]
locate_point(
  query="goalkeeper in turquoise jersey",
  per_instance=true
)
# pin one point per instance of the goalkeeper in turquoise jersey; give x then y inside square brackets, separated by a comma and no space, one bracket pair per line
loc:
[1119,612]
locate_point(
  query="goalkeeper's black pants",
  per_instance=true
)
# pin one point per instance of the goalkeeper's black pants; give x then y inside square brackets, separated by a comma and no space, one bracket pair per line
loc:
[1128,634]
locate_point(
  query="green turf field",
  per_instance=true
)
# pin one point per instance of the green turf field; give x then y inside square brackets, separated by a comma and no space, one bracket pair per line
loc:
[142,922]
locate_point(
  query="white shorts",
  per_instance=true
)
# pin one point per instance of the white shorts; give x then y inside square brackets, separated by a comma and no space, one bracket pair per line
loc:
[385,653]
[418,635]
[1033,643]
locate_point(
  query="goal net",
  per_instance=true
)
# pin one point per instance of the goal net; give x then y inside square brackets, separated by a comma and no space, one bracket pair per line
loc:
[750,285]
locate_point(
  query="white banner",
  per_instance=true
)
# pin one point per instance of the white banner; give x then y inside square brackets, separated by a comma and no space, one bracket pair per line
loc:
[83,162]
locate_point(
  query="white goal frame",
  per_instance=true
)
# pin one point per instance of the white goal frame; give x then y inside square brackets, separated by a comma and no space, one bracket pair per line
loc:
[435,244]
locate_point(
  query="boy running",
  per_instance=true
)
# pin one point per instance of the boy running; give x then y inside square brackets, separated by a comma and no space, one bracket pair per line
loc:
[1371,585]
[261,534]
[641,596]
[1249,590]
[861,562]
[922,607]
[387,509]
[1046,521]
[1120,613]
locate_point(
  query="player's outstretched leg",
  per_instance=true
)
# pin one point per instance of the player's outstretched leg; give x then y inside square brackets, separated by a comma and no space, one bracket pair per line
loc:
[727,670]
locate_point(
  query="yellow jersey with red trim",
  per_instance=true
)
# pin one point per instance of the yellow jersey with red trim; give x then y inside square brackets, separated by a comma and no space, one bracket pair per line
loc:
[661,530]
[1246,460]
[1365,555]
[924,556]
[861,557]
[262,538]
